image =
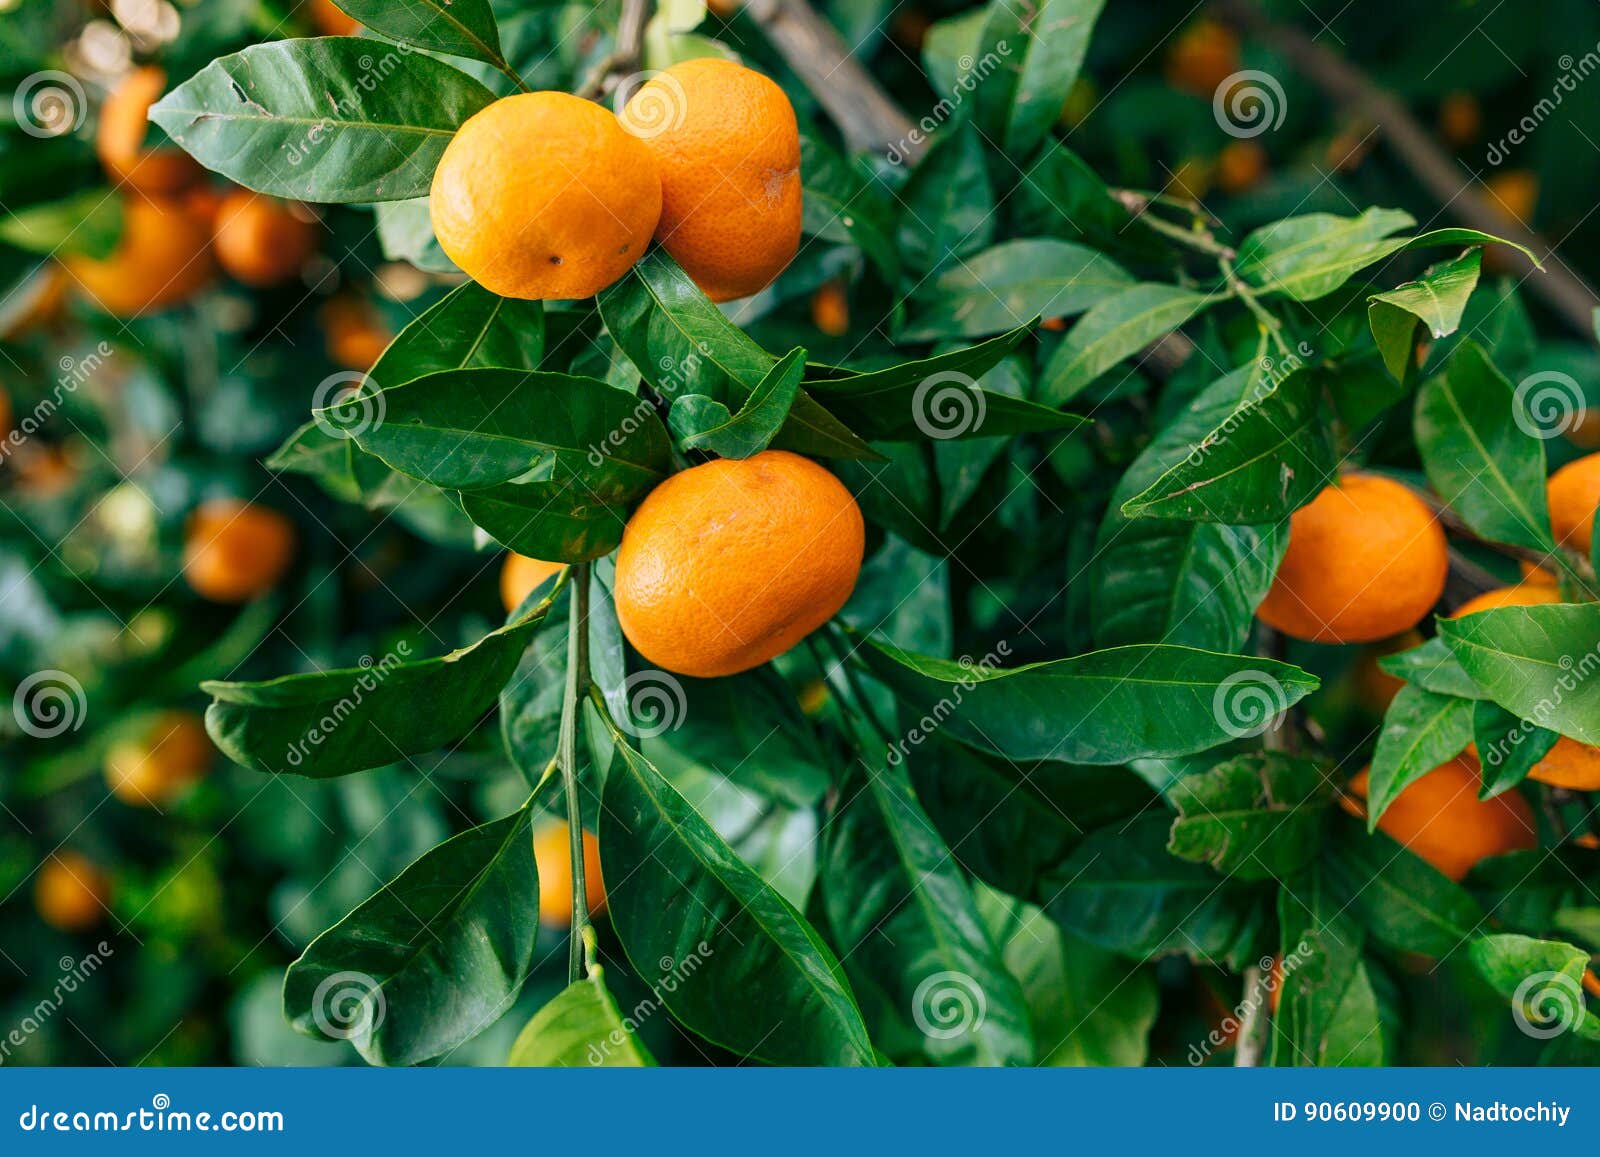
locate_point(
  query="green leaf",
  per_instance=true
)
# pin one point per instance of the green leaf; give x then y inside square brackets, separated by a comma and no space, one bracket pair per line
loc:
[333,722]
[1122,890]
[756,978]
[1088,1007]
[948,206]
[1310,256]
[1421,730]
[1401,900]
[1508,747]
[457,27]
[1172,581]
[405,233]
[1327,1013]
[1255,817]
[1011,284]
[938,398]
[904,917]
[1437,298]
[1104,707]
[1536,662]
[683,344]
[467,328]
[1119,327]
[559,521]
[579,1028]
[431,960]
[89,223]
[758,421]
[316,452]
[1542,978]
[1039,47]
[1471,434]
[1432,667]
[1262,463]
[333,119]
[473,428]
[842,204]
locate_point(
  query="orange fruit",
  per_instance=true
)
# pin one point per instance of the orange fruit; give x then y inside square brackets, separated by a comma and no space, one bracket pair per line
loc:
[162,259]
[1442,820]
[1459,119]
[1366,560]
[1204,55]
[152,768]
[1524,594]
[331,20]
[119,137]
[552,855]
[543,195]
[731,563]
[70,892]
[1537,575]
[353,333]
[727,146]
[830,309]
[260,240]
[520,575]
[1240,166]
[235,551]
[1574,493]
[1053,324]
[1514,192]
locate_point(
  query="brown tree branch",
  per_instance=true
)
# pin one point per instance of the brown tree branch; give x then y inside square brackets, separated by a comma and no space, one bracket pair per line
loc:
[1448,181]
[623,60]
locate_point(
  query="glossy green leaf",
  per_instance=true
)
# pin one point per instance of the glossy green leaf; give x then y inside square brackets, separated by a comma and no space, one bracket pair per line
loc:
[559,521]
[1432,667]
[1118,327]
[1040,46]
[758,421]
[1122,890]
[1475,446]
[841,204]
[580,1028]
[1310,256]
[1401,900]
[1327,1013]
[1255,817]
[473,428]
[1011,284]
[750,974]
[904,917]
[1437,299]
[947,205]
[1542,978]
[458,27]
[333,722]
[1421,730]
[405,232]
[332,119]
[433,958]
[1508,747]
[1536,662]
[1264,461]
[467,328]
[1104,707]
[1157,580]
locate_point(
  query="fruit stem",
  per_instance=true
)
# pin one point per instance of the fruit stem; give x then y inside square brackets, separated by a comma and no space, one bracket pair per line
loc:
[577,690]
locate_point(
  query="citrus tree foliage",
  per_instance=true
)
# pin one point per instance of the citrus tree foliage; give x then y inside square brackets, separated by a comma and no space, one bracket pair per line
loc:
[924,836]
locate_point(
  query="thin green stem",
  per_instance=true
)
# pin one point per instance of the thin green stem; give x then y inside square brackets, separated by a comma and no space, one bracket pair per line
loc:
[1269,323]
[577,689]
[1200,240]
